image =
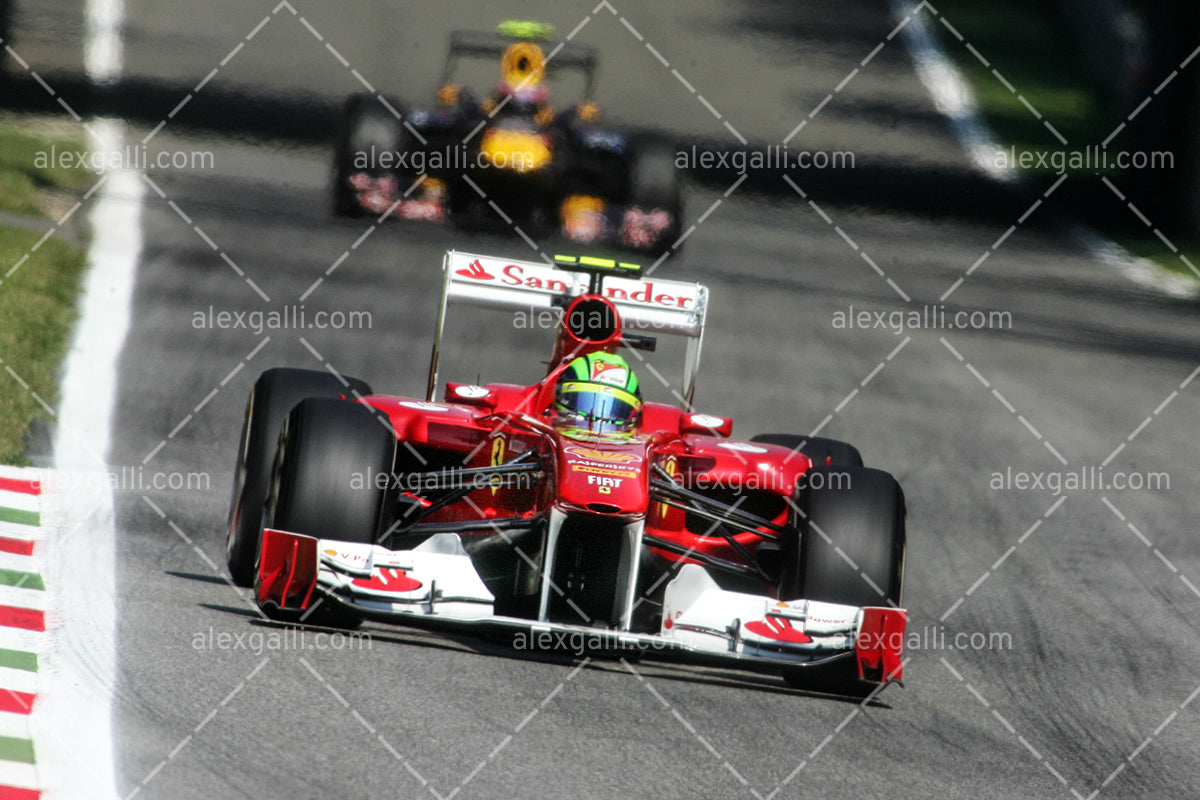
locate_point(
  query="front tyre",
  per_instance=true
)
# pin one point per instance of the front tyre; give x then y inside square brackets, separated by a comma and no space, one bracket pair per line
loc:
[850,551]
[274,394]
[332,480]
[327,477]
[366,131]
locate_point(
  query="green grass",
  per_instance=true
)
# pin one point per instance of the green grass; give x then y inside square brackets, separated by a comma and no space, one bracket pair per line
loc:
[39,280]
[27,167]
[1021,43]
[37,309]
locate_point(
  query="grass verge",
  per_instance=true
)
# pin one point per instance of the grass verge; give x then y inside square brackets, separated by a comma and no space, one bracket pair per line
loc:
[37,310]
[1024,50]
[27,168]
[1022,41]
[39,282]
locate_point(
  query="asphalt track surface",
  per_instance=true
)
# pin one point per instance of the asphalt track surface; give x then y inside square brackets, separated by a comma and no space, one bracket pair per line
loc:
[1095,588]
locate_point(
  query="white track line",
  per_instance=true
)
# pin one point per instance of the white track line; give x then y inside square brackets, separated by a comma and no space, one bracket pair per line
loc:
[76,750]
[103,49]
[951,93]
[73,723]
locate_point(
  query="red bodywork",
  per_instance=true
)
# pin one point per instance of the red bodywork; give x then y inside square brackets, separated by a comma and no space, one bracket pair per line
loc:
[599,473]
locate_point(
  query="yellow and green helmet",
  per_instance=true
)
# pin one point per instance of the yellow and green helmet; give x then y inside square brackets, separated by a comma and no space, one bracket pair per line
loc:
[599,388]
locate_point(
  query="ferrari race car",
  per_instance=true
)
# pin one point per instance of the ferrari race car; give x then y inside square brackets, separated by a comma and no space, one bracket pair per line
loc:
[510,157]
[571,510]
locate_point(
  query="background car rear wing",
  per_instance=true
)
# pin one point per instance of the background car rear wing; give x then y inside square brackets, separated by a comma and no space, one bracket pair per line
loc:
[560,56]
[646,304]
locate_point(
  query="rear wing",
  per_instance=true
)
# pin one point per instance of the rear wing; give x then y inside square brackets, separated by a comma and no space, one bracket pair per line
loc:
[561,56]
[644,303]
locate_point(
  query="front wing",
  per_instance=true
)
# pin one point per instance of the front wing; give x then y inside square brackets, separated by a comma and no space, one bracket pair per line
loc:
[437,581]
[585,219]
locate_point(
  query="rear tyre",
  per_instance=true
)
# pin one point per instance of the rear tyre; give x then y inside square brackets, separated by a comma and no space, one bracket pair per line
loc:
[818,449]
[860,512]
[366,130]
[274,394]
[326,479]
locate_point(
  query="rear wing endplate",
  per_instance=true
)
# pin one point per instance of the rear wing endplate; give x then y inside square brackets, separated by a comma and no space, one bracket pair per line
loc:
[646,304]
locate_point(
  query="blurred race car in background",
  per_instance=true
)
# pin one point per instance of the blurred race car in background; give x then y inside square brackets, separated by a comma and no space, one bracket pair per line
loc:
[511,156]
[570,507]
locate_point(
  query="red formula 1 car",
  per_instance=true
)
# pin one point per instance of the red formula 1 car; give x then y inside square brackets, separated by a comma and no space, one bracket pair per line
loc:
[570,510]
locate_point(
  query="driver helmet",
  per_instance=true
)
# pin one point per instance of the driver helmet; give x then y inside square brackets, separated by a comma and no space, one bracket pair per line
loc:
[599,391]
[522,69]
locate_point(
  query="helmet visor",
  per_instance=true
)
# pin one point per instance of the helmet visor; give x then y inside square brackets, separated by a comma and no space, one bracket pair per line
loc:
[605,403]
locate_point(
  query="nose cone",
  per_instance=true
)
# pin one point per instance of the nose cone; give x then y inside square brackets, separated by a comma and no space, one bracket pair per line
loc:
[604,477]
[515,150]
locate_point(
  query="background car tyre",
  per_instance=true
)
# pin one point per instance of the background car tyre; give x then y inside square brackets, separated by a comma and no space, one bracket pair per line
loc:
[859,512]
[818,449]
[274,394]
[366,129]
[324,482]
[654,182]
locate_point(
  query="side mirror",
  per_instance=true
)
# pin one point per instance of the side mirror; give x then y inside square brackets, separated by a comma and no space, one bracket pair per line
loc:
[470,394]
[705,425]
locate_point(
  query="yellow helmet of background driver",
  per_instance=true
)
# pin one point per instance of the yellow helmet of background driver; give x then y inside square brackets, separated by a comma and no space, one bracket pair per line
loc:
[523,64]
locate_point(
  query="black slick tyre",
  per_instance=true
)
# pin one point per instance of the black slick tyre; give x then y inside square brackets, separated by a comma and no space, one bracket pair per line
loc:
[654,183]
[326,484]
[850,551]
[274,394]
[366,130]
